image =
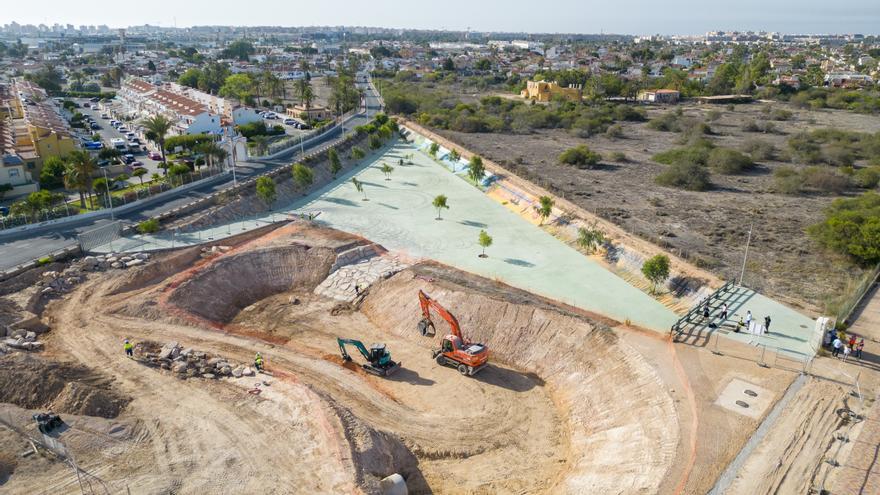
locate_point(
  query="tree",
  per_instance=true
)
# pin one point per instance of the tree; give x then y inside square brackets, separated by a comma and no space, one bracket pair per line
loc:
[545,208]
[78,174]
[306,96]
[375,142]
[852,227]
[52,173]
[440,202]
[590,238]
[433,150]
[359,186]
[386,169]
[139,172]
[454,155]
[476,170]
[357,153]
[335,165]
[191,78]
[656,270]
[448,65]
[102,188]
[261,144]
[266,190]
[238,86]
[485,240]
[156,129]
[303,176]
[239,49]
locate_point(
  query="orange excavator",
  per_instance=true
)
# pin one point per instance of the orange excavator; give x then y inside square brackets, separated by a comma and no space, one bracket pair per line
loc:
[468,357]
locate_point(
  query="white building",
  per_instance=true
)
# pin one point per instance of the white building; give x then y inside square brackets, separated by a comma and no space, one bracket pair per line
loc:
[189,116]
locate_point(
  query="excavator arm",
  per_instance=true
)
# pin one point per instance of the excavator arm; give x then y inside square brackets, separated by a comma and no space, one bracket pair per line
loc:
[427,303]
[357,343]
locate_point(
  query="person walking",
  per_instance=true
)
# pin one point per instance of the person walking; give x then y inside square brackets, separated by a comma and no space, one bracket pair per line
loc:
[724,312]
[258,362]
[852,341]
[129,349]
[837,344]
[767,324]
[749,321]
[859,347]
[846,351]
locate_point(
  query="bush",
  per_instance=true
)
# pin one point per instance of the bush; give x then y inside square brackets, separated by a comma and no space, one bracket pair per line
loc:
[759,149]
[686,175]
[728,161]
[44,260]
[187,141]
[852,227]
[696,153]
[375,142]
[787,180]
[824,179]
[614,132]
[148,226]
[618,156]
[580,156]
[866,178]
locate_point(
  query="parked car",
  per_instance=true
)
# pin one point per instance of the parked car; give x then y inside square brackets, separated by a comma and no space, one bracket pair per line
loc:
[95,126]
[136,164]
[105,116]
[270,116]
[102,163]
[94,99]
[93,145]
[154,155]
[289,122]
[122,129]
[130,135]
[4,210]
[128,158]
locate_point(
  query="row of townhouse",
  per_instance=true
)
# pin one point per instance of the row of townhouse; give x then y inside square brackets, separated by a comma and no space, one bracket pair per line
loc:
[31,130]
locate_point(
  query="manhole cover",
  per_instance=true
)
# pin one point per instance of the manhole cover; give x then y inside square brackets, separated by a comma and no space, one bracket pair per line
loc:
[750,393]
[742,404]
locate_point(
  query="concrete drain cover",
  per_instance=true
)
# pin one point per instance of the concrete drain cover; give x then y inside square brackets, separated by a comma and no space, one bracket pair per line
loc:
[742,404]
[750,393]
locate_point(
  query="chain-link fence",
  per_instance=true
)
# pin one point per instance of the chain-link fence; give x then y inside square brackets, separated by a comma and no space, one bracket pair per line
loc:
[100,236]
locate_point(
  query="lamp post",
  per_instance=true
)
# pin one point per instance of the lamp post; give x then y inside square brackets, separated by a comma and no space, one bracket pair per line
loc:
[746,255]
[109,199]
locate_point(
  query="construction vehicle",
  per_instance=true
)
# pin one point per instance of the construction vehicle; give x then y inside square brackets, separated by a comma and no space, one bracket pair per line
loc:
[48,422]
[378,358]
[468,357]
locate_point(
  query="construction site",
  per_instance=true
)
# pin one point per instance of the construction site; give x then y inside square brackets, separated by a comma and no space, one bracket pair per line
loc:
[365,344]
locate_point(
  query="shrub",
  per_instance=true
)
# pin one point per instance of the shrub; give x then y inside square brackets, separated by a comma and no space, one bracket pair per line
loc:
[825,179]
[580,156]
[696,153]
[618,156]
[614,132]
[787,180]
[728,161]
[759,149]
[852,227]
[148,226]
[686,175]
[713,115]
[866,178]
[44,260]
[375,142]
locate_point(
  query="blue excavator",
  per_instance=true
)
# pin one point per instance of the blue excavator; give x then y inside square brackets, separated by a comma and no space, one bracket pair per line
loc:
[378,358]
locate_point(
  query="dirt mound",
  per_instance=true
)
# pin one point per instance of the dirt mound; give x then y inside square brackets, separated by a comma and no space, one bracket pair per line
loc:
[236,281]
[35,383]
[162,267]
[623,424]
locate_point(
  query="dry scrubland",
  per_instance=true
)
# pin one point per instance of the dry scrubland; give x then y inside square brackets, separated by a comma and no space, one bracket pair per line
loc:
[708,227]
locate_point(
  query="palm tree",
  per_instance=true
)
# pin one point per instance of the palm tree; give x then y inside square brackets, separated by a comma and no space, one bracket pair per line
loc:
[210,151]
[306,96]
[476,170]
[78,174]
[545,208]
[386,169]
[359,186]
[261,143]
[156,129]
[440,202]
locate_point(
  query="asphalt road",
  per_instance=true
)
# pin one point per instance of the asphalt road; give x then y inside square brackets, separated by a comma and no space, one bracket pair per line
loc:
[27,246]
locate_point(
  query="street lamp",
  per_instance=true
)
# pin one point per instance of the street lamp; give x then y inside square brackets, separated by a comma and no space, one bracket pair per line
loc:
[107,185]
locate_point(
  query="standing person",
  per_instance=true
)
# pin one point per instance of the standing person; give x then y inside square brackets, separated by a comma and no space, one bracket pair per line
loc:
[859,347]
[837,344]
[258,362]
[829,337]
[724,312]
[846,351]
[767,324]
[129,349]
[749,321]
[706,311]
[852,342]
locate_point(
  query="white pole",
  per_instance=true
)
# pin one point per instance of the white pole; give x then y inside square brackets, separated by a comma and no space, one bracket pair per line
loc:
[746,255]
[109,200]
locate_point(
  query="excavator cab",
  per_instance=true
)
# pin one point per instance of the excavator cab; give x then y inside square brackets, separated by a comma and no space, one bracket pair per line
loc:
[467,357]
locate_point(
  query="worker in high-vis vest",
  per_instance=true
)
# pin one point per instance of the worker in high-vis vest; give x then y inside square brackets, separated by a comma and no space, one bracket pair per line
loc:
[258,362]
[129,348]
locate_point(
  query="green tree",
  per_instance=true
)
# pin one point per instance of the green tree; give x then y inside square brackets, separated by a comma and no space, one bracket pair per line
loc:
[156,129]
[357,153]
[239,49]
[386,169]
[852,227]
[476,170]
[433,150]
[359,187]
[266,190]
[191,78]
[101,187]
[375,142]
[454,155]
[448,65]
[485,240]
[52,173]
[590,238]
[544,208]
[78,174]
[440,202]
[261,143]
[303,176]
[580,156]
[139,172]
[656,270]
[238,86]
[335,165]
[306,96]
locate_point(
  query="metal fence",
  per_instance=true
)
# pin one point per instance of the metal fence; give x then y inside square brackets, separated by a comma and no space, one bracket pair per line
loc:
[100,201]
[100,236]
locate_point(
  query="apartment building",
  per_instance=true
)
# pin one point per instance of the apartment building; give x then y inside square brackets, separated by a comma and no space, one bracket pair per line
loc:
[187,115]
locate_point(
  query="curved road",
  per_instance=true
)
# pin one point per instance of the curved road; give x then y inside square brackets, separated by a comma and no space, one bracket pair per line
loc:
[27,246]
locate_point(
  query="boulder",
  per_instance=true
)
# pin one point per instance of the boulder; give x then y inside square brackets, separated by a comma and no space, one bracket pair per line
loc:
[226,371]
[179,367]
[126,259]
[33,346]
[131,263]
[238,372]
[50,274]
[214,361]
[115,264]
[90,260]
[142,256]
[208,375]
[169,351]
[248,371]
[30,337]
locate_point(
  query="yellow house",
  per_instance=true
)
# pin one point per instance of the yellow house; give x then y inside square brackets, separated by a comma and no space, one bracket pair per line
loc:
[39,130]
[545,91]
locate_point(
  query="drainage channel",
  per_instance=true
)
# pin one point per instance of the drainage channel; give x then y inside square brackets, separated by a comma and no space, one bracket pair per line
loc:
[729,474]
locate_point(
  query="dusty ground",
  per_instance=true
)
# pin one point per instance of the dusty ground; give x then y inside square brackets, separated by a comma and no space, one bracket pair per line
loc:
[568,405]
[710,228]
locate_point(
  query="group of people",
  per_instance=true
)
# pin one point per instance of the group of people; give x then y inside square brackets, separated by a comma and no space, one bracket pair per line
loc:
[841,347]
[743,323]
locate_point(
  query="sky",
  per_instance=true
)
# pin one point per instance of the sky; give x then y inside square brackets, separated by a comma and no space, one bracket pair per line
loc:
[560,16]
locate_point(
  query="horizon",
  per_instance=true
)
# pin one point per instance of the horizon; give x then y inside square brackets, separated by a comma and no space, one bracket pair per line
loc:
[567,17]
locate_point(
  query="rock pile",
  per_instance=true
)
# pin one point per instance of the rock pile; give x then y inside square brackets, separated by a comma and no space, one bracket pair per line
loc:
[189,363]
[54,282]
[208,252]
[20,339]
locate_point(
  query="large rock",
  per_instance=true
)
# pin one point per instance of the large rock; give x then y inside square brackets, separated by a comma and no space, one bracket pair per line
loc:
[116,264]
[131,263]
[30,337]
[142,256]
[169,351]
[226,371]
[238,372]
[179,367]
[248,371]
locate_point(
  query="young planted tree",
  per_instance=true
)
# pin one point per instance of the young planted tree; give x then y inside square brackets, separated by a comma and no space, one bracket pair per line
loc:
[266,190]
[433,150]
[545,208]
[335,165]
[139,172]
[386,169]
[590,238]
[454,155]
[485,240]
[476,171]
[656,270]
[357,153]
[303,176]
[359,186]
[440,202]
[156,129]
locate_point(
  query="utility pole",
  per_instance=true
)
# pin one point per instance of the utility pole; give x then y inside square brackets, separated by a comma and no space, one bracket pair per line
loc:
[109,199]
[746,255]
